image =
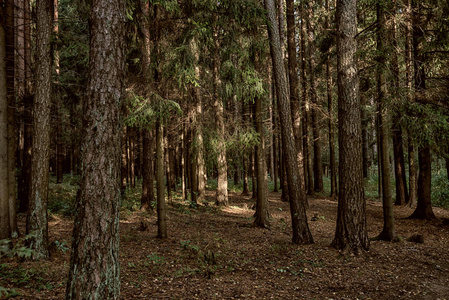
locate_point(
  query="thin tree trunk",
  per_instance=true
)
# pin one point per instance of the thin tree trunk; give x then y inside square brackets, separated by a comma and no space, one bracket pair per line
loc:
[261,214]
[330,107]
[37,222]
[222,166]
[5,226]
[147,170]
[412,173]
[294,89]
[388,231]
[161,210]
[351,230]
[11,111]
[297,197]
[317,165]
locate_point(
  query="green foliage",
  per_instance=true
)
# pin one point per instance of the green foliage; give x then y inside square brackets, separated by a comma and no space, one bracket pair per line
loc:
[440,189]
[8,293]
[19,249]
[144,112]
[62,196]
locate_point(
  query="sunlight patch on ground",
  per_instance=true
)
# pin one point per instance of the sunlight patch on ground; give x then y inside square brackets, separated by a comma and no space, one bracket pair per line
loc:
[236,210]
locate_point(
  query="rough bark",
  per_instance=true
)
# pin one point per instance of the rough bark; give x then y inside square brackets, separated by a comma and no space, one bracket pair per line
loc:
[222,166]
[294,88]
[388,232]
[297,197]
[94,266]
[305,105]
[261,215]
[5,227]
[147,170]
[161,210]
[424,206]
[317,165]
[40,161]
[351,230]
[330,107]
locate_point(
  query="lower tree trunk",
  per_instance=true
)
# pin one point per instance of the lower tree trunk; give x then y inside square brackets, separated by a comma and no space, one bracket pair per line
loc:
[399,168]
[424,208]
[147,170]
[161,210]
[297,197]
[412,173]
[261,214]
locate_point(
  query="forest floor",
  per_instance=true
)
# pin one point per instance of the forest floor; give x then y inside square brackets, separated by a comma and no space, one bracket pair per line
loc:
[215,253]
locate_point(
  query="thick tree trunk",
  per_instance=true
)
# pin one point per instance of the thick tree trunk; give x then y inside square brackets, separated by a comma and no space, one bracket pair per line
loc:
[351,231]
[161,210]
[94,264]
[424,207]
[37,212]
[297,197]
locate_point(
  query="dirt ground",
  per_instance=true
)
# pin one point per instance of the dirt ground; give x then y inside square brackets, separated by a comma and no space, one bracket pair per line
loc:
[215,254]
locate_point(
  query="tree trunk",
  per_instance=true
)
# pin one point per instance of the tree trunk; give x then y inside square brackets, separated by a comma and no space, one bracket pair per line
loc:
[222,166]
[294,89]
[388,231]
[147,171]
[297,197]
[161,210]
[412,173]
[94,264]
[261,214]
[308,179]
[12,141]
[351,231]
[424,206]
[37,212]
[317,165]
[330,107]
[5,226]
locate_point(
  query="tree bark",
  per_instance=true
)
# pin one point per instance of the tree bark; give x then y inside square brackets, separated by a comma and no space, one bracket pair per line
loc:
[37,222]
[147,171]
[222,166]
[161,210]
[424,206]
[294,88]
[94,264]
[330,107]
[297,197]
[351,230]
[388,231]
[5,226]
[317,165]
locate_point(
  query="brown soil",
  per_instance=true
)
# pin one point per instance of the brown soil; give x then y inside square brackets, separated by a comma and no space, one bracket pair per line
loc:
[215,254]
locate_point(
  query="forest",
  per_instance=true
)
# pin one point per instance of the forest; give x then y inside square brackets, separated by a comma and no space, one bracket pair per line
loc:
[204,149]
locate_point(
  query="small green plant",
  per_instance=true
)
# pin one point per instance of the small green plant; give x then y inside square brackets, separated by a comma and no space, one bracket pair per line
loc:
[8,293]
[156,259]
[186,245]
[19,249]
[61,246]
